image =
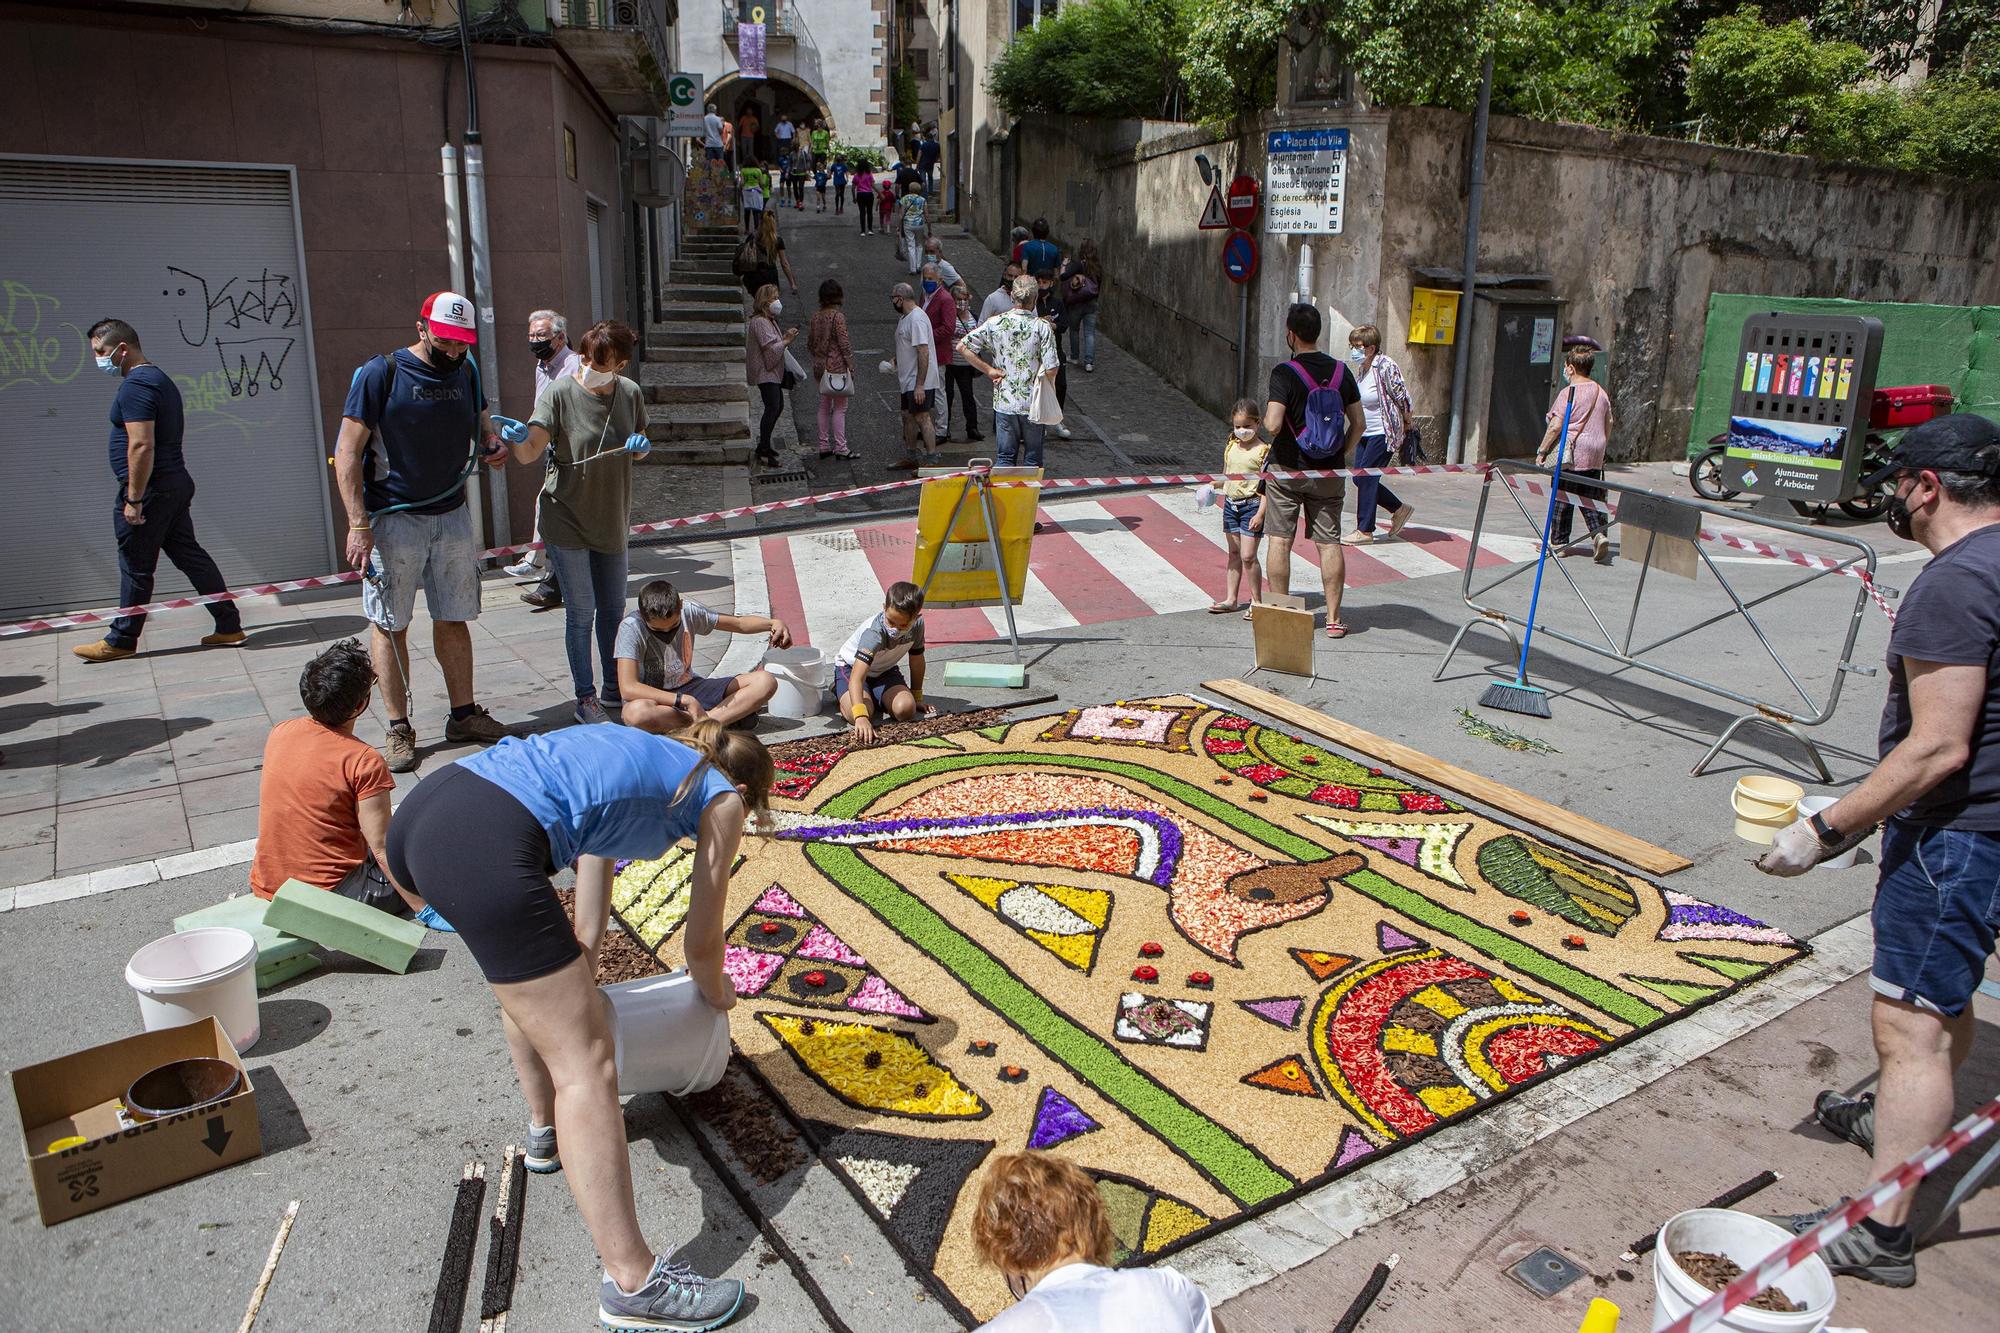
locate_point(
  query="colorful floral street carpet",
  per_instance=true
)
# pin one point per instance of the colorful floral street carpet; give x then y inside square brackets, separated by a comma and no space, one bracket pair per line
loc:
[1212,963]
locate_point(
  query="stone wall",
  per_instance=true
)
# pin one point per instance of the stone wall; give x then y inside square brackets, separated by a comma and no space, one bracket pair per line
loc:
[1634,232]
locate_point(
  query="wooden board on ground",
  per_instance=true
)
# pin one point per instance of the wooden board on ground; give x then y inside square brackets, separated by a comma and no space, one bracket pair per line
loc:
[1633,851]
[1282,630]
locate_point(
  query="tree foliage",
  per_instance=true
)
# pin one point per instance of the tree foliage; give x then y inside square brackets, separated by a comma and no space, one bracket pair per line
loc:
[1112,58]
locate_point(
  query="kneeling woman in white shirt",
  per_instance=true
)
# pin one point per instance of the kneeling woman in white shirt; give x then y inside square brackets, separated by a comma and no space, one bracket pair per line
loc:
[1041,1223]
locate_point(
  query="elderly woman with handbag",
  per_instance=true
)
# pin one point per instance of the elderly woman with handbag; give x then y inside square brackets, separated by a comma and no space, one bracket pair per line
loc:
[833,369]
[1385,413]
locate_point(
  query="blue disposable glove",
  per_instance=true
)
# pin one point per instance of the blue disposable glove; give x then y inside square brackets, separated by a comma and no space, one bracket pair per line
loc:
[429,917]
[512,431]
[638,445]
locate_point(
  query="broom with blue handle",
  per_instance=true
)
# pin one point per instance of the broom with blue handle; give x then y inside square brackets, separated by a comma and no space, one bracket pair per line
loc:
[1519,696]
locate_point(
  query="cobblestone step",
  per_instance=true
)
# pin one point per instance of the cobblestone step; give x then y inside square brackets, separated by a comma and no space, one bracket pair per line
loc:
[710,293]
[698,333]
[662,350]
[706,312]
[694,382]
[691,423]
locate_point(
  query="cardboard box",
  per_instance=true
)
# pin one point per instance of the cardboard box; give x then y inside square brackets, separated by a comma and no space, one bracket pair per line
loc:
[79,1095]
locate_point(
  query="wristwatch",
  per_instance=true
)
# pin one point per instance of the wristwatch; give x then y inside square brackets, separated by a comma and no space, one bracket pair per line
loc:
[1828,835]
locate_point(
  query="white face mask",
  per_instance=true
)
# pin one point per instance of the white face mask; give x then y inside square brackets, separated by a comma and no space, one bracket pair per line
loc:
[593,378]
[777,308]
[1245,433]
[1357,356]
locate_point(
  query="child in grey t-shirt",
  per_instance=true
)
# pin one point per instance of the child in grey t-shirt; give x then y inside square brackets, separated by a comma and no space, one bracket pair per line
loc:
[869,667]
[655,656]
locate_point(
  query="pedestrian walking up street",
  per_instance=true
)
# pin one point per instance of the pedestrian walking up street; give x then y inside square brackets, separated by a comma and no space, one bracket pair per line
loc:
[1385,417]
[152,513]
[1082,289]
[1589,435]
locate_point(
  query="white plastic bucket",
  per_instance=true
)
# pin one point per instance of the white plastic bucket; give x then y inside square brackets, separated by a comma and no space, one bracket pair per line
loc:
[668,1038]
[1749,1241]
[1764,805]
[802,675]
[1813,805]
[197,974]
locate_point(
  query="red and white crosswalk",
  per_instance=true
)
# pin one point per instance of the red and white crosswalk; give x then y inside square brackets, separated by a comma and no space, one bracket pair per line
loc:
[1116,557]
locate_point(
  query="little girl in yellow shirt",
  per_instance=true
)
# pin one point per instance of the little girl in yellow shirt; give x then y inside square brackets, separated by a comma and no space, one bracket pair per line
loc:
[1242,509]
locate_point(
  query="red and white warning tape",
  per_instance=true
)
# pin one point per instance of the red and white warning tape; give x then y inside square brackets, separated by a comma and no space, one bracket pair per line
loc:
[1781,1261]
[105,615]
[1807,559]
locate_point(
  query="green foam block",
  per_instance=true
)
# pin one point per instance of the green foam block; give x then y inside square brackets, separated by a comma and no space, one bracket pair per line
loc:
[326,918]
[994,675]
[278,973]
[246,912]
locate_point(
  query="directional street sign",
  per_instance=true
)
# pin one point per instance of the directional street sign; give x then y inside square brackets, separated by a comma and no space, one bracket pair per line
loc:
[1213,218]
[684,105]
[1241,202]
[1239,256]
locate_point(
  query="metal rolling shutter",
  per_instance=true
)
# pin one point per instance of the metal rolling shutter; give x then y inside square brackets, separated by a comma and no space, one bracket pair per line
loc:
[205,263]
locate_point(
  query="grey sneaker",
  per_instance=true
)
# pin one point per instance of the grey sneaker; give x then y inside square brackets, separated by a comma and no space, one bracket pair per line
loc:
[674,1297]
[399,747]
[1856,1252]
[541,1156]
[589,711]
[478,725]
[1850,1118]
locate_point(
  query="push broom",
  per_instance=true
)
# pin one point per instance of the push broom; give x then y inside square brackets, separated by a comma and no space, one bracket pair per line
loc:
[1518,696]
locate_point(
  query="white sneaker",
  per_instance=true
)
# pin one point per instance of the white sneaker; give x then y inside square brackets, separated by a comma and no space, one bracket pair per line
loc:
[524,568]
[1063,430]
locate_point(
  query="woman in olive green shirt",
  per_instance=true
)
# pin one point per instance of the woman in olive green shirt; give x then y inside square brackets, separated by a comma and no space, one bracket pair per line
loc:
[585,420]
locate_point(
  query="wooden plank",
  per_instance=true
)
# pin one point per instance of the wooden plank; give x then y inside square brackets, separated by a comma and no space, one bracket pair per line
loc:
[1633,851]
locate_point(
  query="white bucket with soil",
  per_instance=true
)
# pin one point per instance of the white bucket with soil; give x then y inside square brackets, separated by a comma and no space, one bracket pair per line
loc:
[668,1038]
[802,675]
[1747,1241]
[197,974]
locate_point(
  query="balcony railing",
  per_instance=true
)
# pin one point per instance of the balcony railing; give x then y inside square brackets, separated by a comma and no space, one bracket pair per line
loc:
[640,16]
[789,45]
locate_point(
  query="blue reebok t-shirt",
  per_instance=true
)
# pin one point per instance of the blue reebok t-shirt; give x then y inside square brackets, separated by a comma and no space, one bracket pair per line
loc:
[603,791]
[1038,257]
[424,430]
[148,393]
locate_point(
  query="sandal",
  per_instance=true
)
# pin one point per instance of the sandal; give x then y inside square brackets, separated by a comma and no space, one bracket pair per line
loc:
[1247,614]
[1336,629]
[1222,608]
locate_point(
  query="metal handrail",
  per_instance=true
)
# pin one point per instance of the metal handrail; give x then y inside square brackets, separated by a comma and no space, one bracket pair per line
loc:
[1787,718]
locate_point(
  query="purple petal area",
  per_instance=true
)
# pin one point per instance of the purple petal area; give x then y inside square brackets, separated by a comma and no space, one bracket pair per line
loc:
[778,903]
[877,996]
[1058,1120]
[824,945]
[1402,849]
[1393,940]
[1283,1010]
[1352,1148]
[889,829]
[1686,911]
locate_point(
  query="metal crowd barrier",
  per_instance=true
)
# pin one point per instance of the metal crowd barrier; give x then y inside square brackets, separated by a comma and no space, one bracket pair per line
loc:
[1669,518]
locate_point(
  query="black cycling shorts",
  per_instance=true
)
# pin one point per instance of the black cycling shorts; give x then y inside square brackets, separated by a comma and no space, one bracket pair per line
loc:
[469,849]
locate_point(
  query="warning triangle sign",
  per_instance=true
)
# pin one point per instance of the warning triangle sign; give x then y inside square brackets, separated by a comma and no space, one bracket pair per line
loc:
[1213,216]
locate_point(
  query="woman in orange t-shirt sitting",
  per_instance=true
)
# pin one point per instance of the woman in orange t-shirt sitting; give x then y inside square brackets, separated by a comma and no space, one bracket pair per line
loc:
[323,802]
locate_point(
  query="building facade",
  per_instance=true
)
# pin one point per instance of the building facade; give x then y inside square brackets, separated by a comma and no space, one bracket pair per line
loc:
[263,198]
[825,59]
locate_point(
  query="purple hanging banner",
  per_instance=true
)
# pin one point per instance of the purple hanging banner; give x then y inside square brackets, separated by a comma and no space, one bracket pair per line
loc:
[750,50]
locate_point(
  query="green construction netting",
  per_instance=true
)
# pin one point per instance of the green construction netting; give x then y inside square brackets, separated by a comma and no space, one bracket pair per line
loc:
[1953,345]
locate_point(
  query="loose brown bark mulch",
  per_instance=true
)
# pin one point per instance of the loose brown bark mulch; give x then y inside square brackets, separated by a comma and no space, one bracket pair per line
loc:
[1716,1271]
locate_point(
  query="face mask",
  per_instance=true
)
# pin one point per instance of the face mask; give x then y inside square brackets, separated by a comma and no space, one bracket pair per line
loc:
[777,308]
[593,378]
[448,360]
[929,286]
[1357,356]
[1897,515]
[543,348]
[1245,433]
[108,364]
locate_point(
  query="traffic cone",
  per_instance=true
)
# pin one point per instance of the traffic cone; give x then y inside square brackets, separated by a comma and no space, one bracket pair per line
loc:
[1601,1317]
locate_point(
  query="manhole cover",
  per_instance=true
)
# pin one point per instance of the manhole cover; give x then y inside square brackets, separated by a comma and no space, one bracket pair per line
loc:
[1545,1272]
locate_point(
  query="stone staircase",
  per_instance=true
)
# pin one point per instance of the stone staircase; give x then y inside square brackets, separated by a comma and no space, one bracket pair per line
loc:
[693,376]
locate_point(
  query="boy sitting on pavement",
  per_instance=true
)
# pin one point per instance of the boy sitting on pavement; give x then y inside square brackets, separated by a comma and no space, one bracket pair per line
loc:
[323,800]
[869,668]
[655,655]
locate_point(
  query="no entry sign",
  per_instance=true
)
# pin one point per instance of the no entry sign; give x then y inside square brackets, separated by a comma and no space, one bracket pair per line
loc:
[1239,256]
[1241,201]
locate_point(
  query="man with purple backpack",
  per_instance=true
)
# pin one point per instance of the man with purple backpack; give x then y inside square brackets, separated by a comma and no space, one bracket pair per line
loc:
[1314,418]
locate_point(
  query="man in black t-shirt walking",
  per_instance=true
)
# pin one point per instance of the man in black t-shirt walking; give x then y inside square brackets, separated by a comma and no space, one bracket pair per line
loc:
[154,494]
[1937,903]
[1319,501]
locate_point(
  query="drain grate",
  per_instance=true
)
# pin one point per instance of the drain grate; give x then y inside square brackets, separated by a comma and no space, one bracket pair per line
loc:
[1546,1272]
[771,478]
[1170,462]
[855,541]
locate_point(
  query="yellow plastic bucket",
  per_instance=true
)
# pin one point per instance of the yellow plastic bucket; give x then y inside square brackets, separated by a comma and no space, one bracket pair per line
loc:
[1763,805]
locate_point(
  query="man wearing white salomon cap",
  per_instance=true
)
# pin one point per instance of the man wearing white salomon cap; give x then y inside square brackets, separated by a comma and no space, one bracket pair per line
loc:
[405,454]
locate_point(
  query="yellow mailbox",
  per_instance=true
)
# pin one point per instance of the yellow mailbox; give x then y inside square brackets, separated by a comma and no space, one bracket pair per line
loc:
[1433,316]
